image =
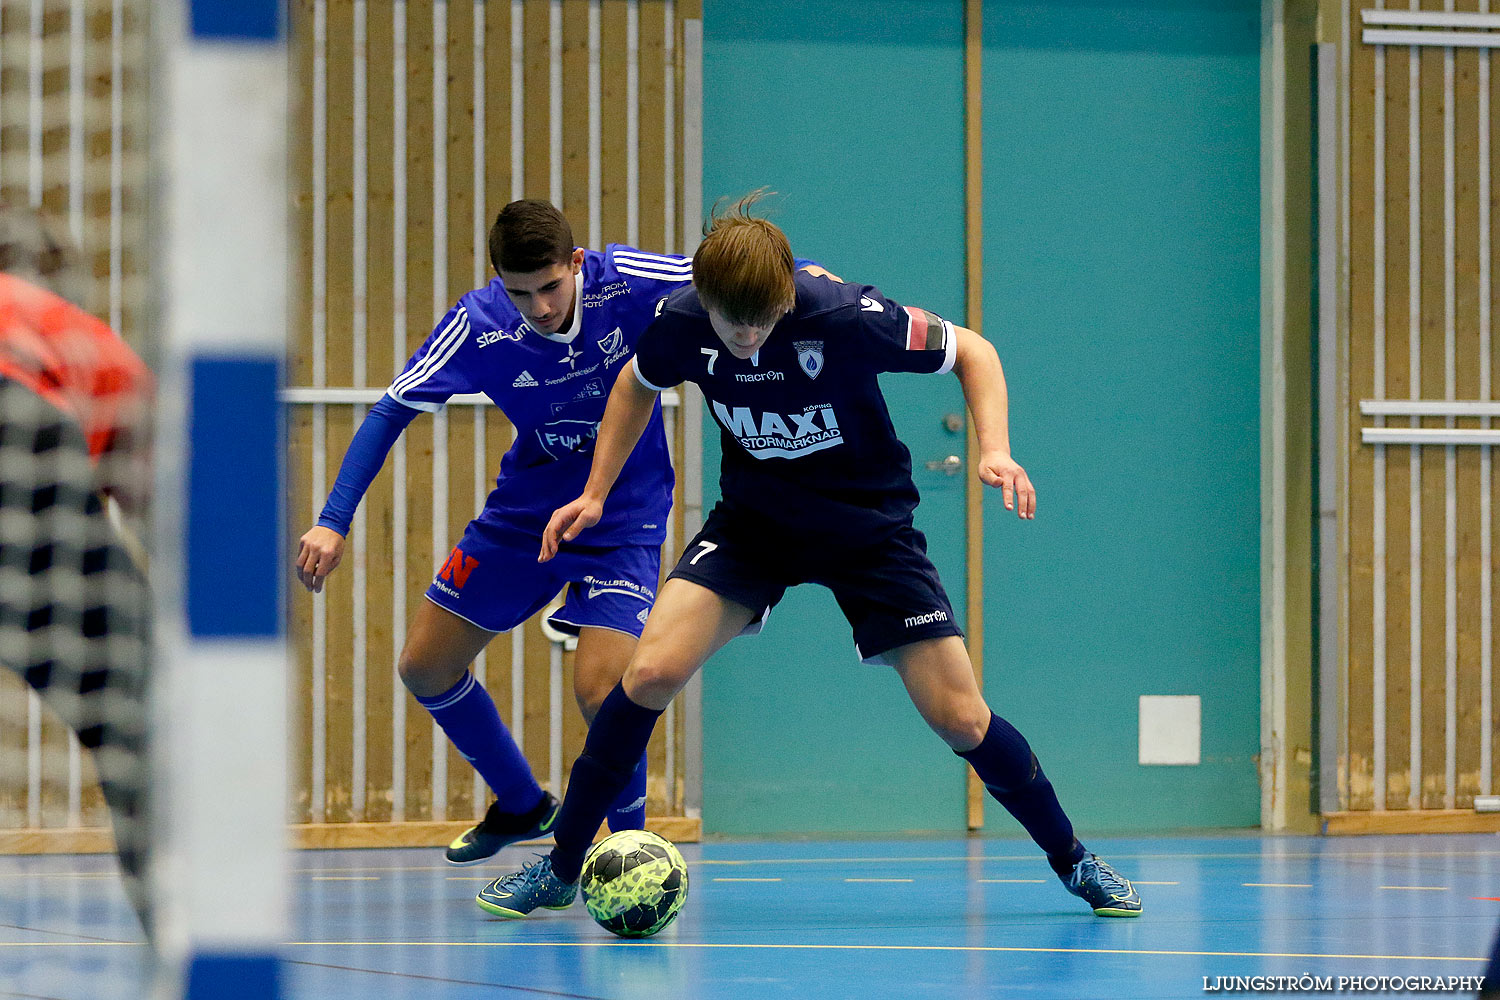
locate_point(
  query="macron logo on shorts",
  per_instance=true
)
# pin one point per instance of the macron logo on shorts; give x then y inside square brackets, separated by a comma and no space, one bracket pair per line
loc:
[455,571]
[932,616]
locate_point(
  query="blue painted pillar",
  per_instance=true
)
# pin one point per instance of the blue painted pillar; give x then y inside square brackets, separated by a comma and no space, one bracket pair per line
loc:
[220,246]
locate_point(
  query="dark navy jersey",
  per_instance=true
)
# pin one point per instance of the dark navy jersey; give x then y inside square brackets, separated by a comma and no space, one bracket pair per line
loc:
[553,388]
[808,441]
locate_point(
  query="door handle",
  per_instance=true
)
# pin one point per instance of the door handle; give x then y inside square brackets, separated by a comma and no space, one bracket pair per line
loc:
[950,466]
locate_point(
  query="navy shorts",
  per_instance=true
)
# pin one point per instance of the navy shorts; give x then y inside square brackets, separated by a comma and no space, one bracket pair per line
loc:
[889,592]
[492,579]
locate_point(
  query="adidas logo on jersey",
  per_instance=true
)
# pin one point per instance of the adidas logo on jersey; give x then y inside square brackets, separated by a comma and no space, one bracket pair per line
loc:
[524,380]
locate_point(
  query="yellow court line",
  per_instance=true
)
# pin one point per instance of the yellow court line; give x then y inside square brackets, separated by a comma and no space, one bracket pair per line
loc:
[58,875]
[1277,885]
[706,945]
[1418,888]
[1017,881]
[747,880]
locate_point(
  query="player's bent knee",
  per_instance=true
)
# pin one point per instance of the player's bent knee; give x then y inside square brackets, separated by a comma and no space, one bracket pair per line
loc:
[425,678]
[651,683]
[590,697]
[961,728]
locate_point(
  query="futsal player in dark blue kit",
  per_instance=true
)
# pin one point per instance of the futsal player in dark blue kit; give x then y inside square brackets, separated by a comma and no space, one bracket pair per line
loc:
[816,489]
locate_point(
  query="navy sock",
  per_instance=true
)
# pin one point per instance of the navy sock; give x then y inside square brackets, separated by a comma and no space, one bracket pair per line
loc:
[1004,762]
[610,757]
[629,810]
[467,714]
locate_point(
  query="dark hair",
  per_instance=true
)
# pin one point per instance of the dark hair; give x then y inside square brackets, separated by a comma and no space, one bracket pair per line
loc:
[743,268]
[529,235]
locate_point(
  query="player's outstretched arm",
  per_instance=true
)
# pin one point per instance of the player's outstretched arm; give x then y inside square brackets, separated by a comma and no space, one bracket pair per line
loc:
[979,372]
[320,550]
[625,418]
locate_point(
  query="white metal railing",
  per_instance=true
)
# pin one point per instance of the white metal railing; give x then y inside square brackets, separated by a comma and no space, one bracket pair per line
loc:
[1447,29]
[1416,408]
[320,399]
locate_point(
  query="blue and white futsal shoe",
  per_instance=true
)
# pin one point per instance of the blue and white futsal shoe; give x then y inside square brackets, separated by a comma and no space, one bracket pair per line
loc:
[519,893]
[1103,888]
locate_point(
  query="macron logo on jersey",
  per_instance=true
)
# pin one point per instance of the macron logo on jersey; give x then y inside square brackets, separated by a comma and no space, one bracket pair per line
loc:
[523,380]
[777,435]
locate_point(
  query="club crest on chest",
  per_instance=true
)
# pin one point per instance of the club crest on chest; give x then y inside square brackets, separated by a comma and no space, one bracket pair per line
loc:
[809,357]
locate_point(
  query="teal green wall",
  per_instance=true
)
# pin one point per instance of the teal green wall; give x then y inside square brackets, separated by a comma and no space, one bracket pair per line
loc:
[857,122]
[1121,279]
[1121,247]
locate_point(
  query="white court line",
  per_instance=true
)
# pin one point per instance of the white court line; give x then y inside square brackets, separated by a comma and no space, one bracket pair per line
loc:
[704,862]
[725,946]
[1418,888]
[638,944]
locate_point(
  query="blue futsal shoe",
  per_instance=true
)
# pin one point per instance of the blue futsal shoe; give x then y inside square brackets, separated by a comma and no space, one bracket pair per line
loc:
[519,893]
[499,829]
[1103,888]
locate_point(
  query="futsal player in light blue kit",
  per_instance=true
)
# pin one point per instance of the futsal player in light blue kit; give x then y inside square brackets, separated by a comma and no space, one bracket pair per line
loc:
[544,340]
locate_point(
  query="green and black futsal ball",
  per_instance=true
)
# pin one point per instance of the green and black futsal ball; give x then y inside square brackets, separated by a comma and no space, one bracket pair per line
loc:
[633,883]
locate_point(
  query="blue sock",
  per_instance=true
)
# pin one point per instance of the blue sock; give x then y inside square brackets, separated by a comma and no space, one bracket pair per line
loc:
[467,714]
[629,810]
[1004,762]
[611,755]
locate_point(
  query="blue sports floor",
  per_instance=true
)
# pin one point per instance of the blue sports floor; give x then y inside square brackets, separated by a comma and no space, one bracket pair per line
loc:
[811,920]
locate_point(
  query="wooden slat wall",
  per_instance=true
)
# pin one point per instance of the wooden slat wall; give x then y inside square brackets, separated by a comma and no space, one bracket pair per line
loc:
[1414,640]
[68,146]
[421,241]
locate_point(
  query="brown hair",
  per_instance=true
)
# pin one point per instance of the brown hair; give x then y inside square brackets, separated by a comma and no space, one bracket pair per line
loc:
[529,235]
[743,267]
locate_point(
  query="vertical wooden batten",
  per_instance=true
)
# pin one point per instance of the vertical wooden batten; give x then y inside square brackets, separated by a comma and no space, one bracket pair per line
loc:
[974,319]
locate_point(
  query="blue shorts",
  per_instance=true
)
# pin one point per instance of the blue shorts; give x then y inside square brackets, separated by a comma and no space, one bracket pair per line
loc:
[492,579]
